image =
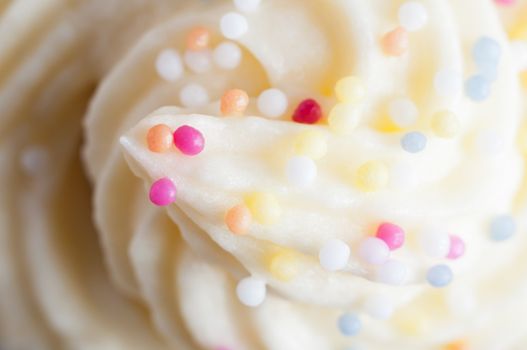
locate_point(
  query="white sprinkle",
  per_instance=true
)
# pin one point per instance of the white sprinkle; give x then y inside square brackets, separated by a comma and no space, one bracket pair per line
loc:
[251,291]
[34,160]
[448,83]
[412,16]
[374,251]
[393,272]
[403,112]
[435,244]
[519,53]
[233,25]
[169,65]
[379,307]
[227,55]
[301,171]
[198,61]
[272,103]
[193,95]
[247,5]
[334,255]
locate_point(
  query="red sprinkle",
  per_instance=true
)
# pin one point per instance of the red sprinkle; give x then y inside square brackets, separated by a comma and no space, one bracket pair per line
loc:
[308,112]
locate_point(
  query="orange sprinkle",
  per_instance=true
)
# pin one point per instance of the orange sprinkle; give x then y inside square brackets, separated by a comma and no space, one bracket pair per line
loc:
[159,138]
[457,345]
[395,43]
[234,102]
[238,219]
[198,39]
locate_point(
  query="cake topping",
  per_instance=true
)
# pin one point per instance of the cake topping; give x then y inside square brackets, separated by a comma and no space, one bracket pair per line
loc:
[311,143]
[159,138]
[412,16]
[344,118]
[334,255]
[349,324]
[403,112]
[307,112]
[238,219]
[435,244]
[350,89]
[233,25]
[372,176]
[373,250]
[393,272]
[272,103]
[227,55]
[234,102]
[391,234]
[301,171]
[264,207]
[251,291]
[439,276]
[163,192]
[414,142]
[477,88]
[502,227]
[395,42]
[193,95]
[247,5]
[457,247]
[445,124]
[198,61]
[379,307]
[198,38]
[189,140]
[169,65]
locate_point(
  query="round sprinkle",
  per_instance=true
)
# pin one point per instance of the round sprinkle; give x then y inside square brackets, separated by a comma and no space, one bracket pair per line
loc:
[374,251]
[349,324]
[395,42]
[169,65]
[334,255]
[502,228]
[505,2]
[283,264]
[457,248]
[445,124]
[372,176]
[307,112]
[264,207]
[393,272]
[234,102]
[457,345]
[343,118]
[238,219]
[233,25]
[350,89]
[414,142]
[379,307]
[193,95]
[251,291]
[247,5]
[272,103]
[391,234]
[311,143]
[189,140]
[477,88]
[163,192]
[403,112]
[488,70]
[436,244]
[448,83]
[198,61]
[301,171]
[486,50]
[439,276]
[159,138]
[412,16]
[227,55]
[198,39]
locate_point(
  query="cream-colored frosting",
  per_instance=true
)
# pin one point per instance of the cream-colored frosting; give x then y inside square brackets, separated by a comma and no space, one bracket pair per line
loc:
[87,262]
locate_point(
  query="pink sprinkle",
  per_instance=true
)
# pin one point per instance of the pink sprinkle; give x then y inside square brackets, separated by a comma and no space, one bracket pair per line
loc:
[505,2]
[308,112]
[457,247]
[163,192]
[189,140]
[391,234]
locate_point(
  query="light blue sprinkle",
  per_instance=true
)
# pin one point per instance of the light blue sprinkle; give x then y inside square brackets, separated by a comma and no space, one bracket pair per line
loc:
[486,50]
[489,70]
[414,142]
[349,324]
[439,276]
[502,228]
[477,88]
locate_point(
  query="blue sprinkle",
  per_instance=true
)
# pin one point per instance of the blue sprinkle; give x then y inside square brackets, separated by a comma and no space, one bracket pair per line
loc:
[486,50]
[489,70]
[439,276]
[414,142]
[502,228]
[349,324]
[477,88]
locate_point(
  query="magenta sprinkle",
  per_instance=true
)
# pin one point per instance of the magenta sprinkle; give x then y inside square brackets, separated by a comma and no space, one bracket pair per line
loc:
[391,234]
[457,248]
[308,112]
[505,2]
[189,140]
[163,192]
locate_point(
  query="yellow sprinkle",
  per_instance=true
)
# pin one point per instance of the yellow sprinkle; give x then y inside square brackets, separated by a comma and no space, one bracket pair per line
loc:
[350,89]
[372,176]
[445,124]
[311,143]
[523,77]
[343,118]
[264,207]
[457,345]
[283,264]
[385,124]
